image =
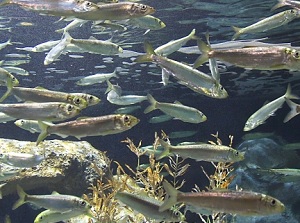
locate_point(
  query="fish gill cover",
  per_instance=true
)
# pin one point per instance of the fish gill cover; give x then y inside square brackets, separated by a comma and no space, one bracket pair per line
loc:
[101,58]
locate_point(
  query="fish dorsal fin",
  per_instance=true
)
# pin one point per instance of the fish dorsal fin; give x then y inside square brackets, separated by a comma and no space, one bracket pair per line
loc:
[266,102]
[177,102]
[92,38]
[55,193]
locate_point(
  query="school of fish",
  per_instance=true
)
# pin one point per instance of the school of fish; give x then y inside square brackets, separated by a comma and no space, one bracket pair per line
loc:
[48,112]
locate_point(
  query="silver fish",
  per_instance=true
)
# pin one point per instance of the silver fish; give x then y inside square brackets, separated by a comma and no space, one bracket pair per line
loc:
[102,125]
[21,159]
[268,23]
[176,110]
[53,202]
[148,206]
[44,95]
[271,57]
[295,110]
[49,111]
[262,114]
[244,203]
[203,152]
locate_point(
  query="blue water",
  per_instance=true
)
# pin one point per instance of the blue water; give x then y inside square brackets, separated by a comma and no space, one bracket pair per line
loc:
[248,90]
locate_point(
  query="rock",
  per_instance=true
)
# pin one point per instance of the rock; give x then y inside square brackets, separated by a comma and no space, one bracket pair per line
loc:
[67,167]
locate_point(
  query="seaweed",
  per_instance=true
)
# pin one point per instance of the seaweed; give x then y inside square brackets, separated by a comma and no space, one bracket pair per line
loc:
[146,178]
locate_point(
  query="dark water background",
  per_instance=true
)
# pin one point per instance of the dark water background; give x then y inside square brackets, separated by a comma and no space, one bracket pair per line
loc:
[246,95]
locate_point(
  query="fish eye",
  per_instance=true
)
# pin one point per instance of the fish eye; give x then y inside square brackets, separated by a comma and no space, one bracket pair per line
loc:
[70,108]
[273,202]
[91,98]
[126,119]
[297,55]
[22,121]
[82,203]
[88,4]
[143,7]
[237,153]
[77,100]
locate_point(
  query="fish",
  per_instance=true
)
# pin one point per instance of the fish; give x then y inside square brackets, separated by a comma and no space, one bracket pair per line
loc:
[29,125]
[281,3]
[54,202]
[8,80]
[75,23]
[49,216]
[46,111]
[148,22]
[45,46]
[115,97]
[5,118]
[174,45]
[95,126]
[96,46]
[39,94]
[5,44]
[268,23]
[269,109]
[185,74]
[96,78]
[244,203]
[117,11]
[283,175]
[21,159]
[291,146]
[203,152]
[273,57]
[295,110]
[160,119]
[17,70]
[58,49]
[108,24]
[176,110]
[90,99]
[63,8]
[8,174]
[148,206]
[127,109]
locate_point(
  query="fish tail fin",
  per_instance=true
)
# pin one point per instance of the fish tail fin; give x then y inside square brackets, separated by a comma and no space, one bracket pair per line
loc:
[193,34]
[109,87]
[237,31]
[9,89]
[205,49]
[166,150]
[115,73]
[44,132]
[152,105]
[22,198]
[280,4]
[149,52]
[293,111]
[288,94]
[171,197]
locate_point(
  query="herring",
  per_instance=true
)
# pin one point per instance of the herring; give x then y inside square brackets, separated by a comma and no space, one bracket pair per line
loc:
[29,125]
[176,110]
[262,114]
[47,111]
[148,22]
[202,152]
[8,80]
[49,216]
[272,57]
[185,74]
[54,202]
[95,126]
[39,94]
[21,159]
[244,203]
[148,206]
[174,45]
[96,78]
[268,23]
